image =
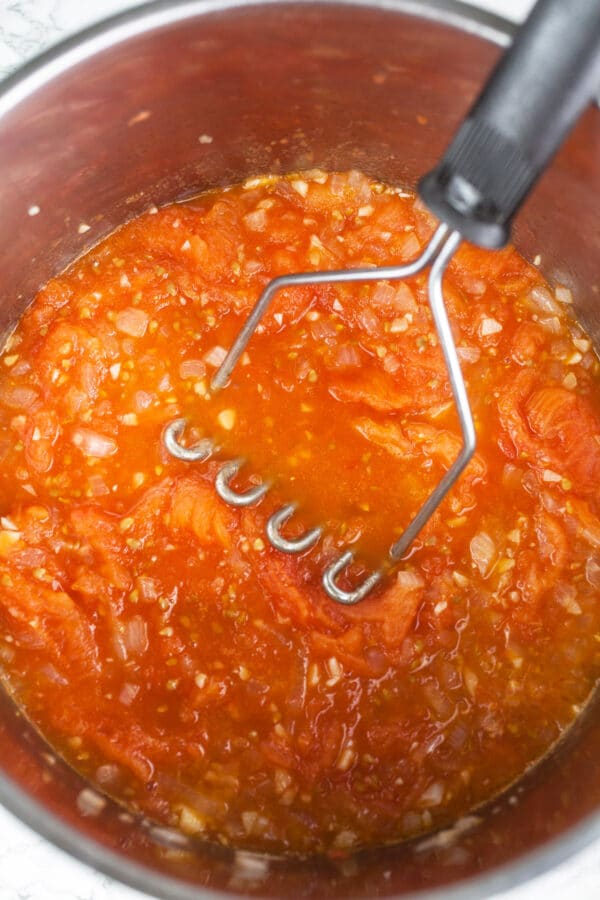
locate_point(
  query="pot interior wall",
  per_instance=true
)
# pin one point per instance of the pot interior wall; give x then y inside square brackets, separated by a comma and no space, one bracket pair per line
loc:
[170,110]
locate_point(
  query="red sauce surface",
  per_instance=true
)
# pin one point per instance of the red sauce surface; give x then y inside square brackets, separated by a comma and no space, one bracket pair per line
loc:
[199,675]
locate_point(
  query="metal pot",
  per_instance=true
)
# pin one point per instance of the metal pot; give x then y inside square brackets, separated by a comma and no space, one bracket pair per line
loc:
[173,98]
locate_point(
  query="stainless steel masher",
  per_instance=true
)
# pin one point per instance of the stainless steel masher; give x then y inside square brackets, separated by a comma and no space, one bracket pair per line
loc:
[530,103]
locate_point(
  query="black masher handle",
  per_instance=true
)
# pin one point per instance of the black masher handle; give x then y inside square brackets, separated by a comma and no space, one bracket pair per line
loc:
[531,102]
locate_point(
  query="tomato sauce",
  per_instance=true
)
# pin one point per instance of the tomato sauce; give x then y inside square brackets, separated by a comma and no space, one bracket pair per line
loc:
[199,675]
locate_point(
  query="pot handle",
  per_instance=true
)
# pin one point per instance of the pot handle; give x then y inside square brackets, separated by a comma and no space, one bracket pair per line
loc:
[530,103]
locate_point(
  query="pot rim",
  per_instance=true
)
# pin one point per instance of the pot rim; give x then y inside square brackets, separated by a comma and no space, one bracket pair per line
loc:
[158,13]
[16,88]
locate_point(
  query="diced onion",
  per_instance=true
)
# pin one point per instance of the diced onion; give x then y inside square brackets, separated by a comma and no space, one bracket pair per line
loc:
[256,220]
[7,653]
[31,557]
[581,343]
[489,326]
[135,635]
[301,187]
[132,321]
[551,324]
[395,298]
[192,368]
[92,443]
[90,803]
[18,397]
[334,671]
[119,645]
[359,184]
[409,580]
[563,294]
[227,418]
[483,552]
[215,356]
[97,485]
[589,530]
[468,354]
[283,780]
[551,477]
[52,673]
[76,400]
[107,774]
[323,331]
[471,680]
[369,321]
[438,701]
[143,400]
[383,295]
[566,595]
[540,299]
[399,325]
[168,837]
[443,840]
[346,758]
[249,820]
[344,840]
[392,363]
[338,184]
[128,693]
[432,795]
[8,524]
[347,356]
[21,368]
[472,284]
[164,385]
[530,482]
[592,571]
[252,266]
[190,820]
[148,587]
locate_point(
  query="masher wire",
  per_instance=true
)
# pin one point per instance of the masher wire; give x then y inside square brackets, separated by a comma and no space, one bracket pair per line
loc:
[437,253]
[381,273]
[459,392]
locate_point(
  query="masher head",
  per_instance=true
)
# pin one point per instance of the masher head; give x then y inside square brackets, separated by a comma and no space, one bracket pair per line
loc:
[528,106]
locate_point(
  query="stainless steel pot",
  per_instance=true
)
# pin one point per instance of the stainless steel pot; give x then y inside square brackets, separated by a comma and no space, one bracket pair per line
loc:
[171,99]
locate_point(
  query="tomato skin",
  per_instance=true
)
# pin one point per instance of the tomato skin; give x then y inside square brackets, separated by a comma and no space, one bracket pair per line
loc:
[186,666]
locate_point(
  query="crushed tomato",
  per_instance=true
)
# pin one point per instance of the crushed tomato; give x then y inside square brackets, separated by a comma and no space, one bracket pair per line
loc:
[197,674]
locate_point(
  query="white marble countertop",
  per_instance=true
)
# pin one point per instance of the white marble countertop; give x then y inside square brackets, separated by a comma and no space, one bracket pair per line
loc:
[30,867]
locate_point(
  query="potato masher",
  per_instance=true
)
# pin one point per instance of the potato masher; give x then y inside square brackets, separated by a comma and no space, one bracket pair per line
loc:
[528,106]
